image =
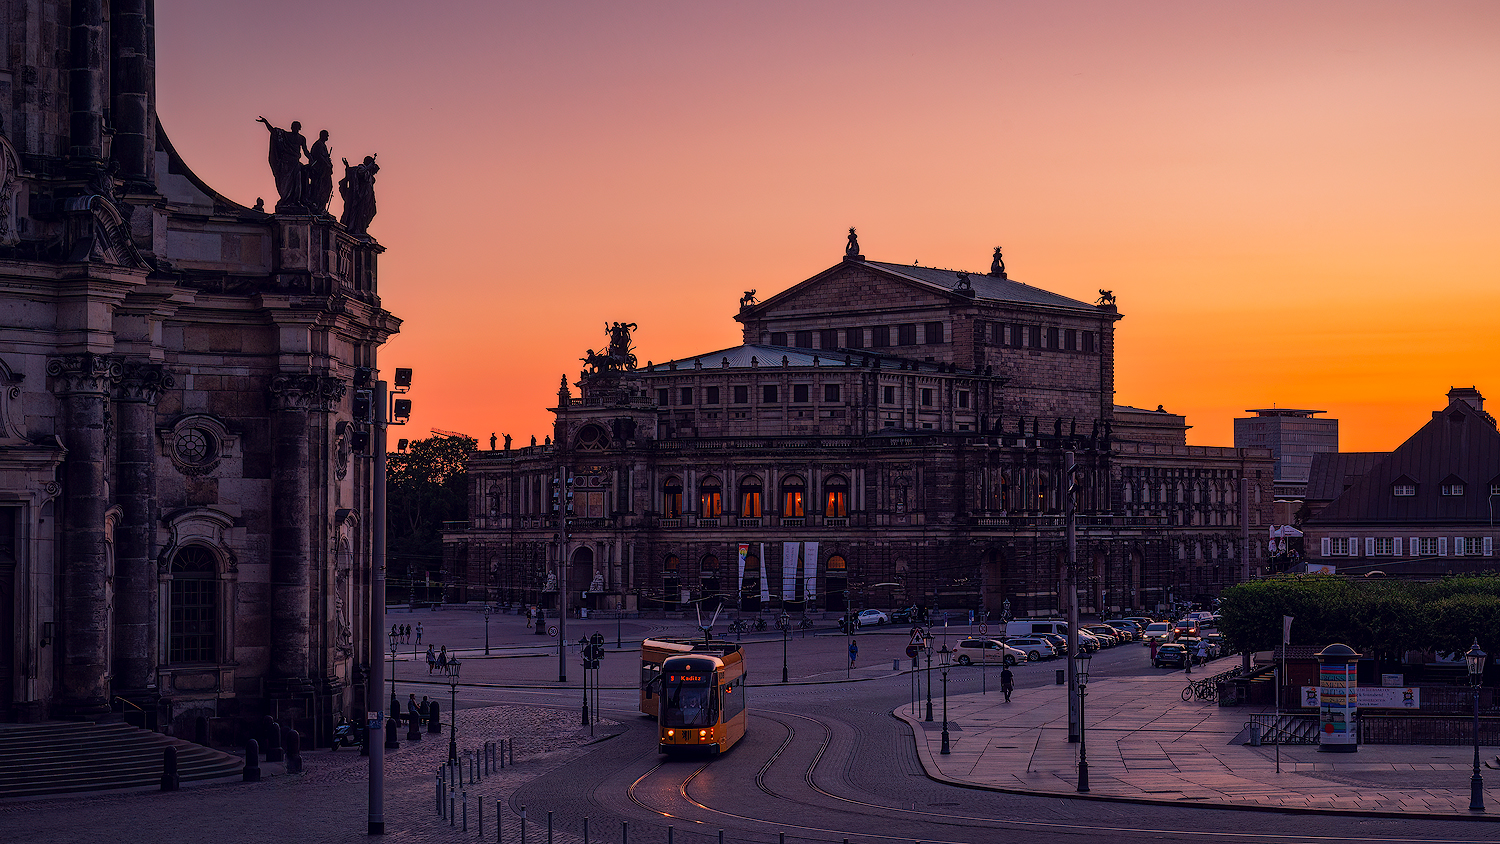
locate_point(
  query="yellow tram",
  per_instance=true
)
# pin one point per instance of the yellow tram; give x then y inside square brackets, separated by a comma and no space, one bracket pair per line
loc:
[696,691]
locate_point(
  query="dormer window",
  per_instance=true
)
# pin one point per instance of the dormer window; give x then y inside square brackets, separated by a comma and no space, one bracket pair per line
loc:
[1453,489]
[1404,489]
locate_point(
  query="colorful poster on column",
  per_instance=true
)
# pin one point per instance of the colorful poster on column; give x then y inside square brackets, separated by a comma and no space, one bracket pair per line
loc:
[789,552]
[1337,700]
[739,585]
[765,583]
[810,573]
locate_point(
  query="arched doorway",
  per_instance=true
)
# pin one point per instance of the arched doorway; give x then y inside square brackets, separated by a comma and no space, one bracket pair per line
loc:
[836,584]
[581,577]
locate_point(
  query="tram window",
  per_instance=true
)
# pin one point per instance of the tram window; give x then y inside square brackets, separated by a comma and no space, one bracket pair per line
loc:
[688,706]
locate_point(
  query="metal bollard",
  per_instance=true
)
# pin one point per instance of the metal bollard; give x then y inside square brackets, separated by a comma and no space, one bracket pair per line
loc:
[523,825]
[479,807]
[624,832]
[439,793]
[721,837]
[781,838]
[499,824]
[465,802]
[252,761]
[293,742]
[670,830]
[170,779]
[452,820]
[896,664]
[549,827]
[585,829]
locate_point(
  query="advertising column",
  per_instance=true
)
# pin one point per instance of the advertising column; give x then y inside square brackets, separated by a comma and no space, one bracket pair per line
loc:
[1338,689]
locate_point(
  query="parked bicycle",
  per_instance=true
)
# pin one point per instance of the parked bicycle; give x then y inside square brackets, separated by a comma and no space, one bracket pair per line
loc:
[737,626]
[1204,690]
[806,623]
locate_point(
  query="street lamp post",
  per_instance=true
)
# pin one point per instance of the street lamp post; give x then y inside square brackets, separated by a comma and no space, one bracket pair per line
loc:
[785,623]
[452,710]
[1475,658]
[395,702]
[486,629]
[927,646]
[944,654]
[1081,670]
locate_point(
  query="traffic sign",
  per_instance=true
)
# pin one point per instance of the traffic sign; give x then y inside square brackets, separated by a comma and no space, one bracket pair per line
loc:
[912,651]
[983,628]
[552,631]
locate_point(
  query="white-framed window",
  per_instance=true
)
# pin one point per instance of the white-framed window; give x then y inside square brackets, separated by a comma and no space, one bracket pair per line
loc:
[1473,545]
[1385,546]
[1338,546]
[1495,489]
[1453,489]
[1404,490]
[1424,546]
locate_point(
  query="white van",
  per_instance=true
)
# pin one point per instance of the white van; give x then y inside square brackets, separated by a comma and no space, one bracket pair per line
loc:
[1033,626]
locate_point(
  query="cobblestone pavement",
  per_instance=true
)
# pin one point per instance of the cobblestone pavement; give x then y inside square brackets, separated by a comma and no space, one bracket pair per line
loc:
[1144,743]
[329,801]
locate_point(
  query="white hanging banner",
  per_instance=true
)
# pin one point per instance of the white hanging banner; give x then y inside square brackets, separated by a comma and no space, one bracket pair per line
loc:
[810,573]
[739,585]
[765,584]
[789,552]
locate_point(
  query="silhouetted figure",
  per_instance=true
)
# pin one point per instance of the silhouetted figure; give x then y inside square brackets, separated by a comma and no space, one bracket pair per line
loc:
[319,173]
[358,190]
[997,265]
[852,250]
[285,158]
[748,299]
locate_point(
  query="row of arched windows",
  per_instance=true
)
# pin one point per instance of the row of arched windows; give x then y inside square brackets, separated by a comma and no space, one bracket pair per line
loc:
[750,494]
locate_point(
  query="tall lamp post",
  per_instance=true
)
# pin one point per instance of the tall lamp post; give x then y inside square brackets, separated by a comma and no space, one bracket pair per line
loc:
[452,710]
[1475,658]
[1081,670]
[927,646]
[785,623]
[944,655]
[486,629]
[395,702]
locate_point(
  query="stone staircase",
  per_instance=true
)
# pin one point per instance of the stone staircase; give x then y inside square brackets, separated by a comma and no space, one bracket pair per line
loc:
[66,757]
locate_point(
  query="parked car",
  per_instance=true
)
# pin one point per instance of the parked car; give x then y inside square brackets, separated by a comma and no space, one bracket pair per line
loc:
[1108,636]
[865,618]
[1192,642]
[1171,655]
[1159,631]
[970,651]
[1126,626]
[904,615]
[1035,647]
[1141,621]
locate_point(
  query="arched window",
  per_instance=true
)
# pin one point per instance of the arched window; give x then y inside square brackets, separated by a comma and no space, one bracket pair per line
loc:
[837,563]
[671,563]
[593,438]
[750,492]
[194,618]
[793,497]
[710,498]
[671,498]
[836,497]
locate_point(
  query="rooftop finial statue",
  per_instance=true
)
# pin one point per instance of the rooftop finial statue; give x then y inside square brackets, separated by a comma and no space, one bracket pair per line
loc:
[358,190]
[1106,297]
[285,157]
[318,173]
[852,250]
[748,299]
[997,264]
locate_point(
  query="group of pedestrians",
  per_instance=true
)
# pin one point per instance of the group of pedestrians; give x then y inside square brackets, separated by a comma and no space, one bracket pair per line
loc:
[403,633]
[418,712]
[437,660]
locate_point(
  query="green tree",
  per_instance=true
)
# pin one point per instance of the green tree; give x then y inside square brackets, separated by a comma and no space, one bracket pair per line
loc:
[426,486]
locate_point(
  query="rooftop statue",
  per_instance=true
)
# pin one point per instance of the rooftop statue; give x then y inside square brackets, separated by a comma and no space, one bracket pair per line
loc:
[318,175]
[619,356]
[1106,297]
[852,250]
[997,265]
[748,299]
[285,158]
[358,190]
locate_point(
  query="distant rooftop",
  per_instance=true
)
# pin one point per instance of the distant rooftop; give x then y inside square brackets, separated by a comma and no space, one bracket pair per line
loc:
[1282,411]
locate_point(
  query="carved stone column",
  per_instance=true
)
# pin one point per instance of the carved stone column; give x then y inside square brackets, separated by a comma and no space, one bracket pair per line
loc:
[293,398]
[135,647]
[81,384]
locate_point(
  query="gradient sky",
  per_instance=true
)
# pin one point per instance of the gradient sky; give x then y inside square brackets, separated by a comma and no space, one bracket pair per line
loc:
[1295,203]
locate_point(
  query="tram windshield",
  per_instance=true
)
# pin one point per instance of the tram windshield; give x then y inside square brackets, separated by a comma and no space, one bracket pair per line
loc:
[689,701]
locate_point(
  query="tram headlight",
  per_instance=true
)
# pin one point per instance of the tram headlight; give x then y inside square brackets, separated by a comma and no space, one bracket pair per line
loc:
[671,733]
[703,734]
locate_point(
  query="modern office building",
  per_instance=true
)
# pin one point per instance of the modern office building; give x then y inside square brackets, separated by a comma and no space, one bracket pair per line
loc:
[1293,436]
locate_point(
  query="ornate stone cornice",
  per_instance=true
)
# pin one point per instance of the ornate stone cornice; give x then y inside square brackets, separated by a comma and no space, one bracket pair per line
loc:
[85,373]
[306,392]
[143,382]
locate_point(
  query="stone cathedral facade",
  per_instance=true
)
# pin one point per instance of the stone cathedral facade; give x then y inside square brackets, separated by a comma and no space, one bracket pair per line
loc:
[885,435]
[183,529]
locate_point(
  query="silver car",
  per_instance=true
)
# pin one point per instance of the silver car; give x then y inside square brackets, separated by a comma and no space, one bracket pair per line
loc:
[1034,647]
[970,651]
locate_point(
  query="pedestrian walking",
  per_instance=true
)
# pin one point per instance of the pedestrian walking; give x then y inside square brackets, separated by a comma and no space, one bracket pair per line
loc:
[1007,682]
[414,715]
[1202,652]
[431,659]
[853,653]
[443,659]
[419,632]
[528,616]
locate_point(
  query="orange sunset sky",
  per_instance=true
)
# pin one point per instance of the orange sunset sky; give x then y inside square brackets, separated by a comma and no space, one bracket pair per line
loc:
[1295,203]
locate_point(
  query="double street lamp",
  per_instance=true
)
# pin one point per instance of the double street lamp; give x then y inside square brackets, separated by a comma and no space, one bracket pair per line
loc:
[452,710]
[1081,670]
[927,646]
[395,703]
[784,621]
[944,656]
[1475,658]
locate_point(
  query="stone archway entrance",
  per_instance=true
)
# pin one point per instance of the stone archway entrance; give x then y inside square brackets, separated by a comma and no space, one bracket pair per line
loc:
[581,577]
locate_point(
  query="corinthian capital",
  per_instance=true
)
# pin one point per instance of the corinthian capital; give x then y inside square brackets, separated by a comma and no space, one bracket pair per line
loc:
[85,373]
[299,391]
[143,382]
